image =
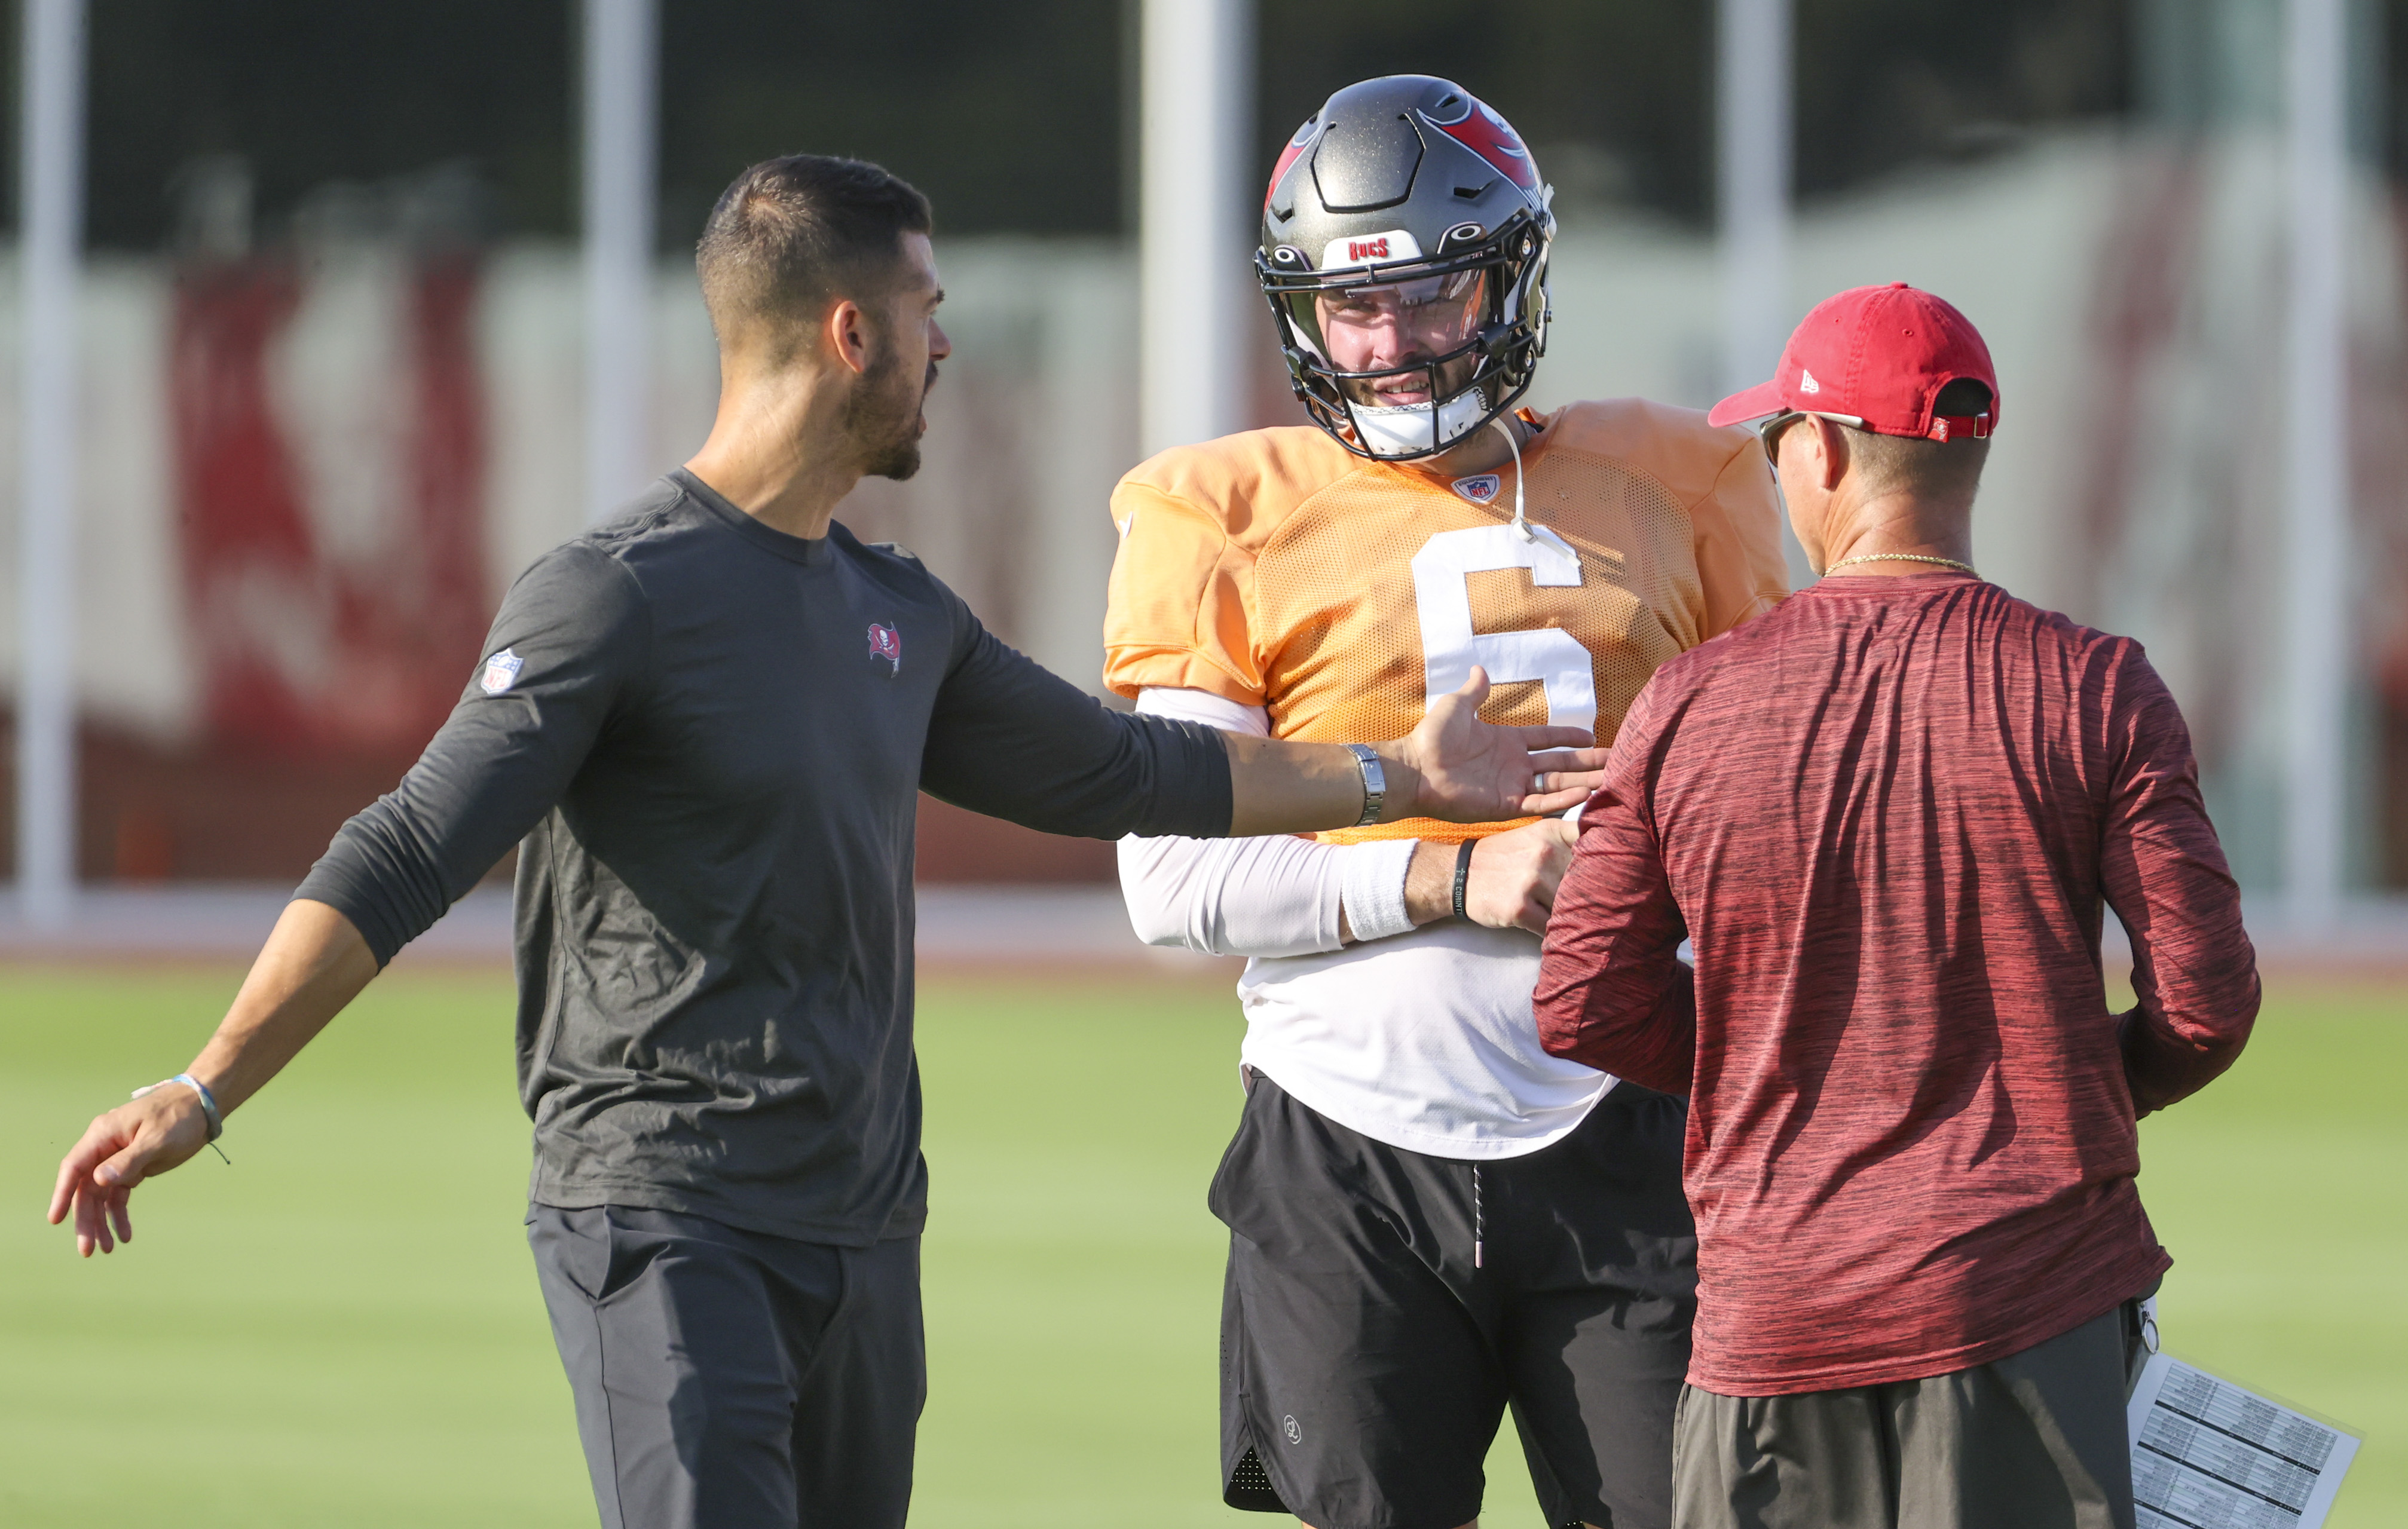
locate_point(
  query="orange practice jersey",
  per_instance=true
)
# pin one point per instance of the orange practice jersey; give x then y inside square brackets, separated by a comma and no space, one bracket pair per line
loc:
[1278,569]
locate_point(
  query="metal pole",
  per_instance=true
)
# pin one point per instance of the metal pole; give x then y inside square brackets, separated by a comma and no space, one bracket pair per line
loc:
[1752,140]
[1195,218]
[1752,112]
[2317,651]
[622,89]
[51,145]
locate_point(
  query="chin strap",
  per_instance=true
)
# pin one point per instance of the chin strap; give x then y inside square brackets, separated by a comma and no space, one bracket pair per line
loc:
[1513,439]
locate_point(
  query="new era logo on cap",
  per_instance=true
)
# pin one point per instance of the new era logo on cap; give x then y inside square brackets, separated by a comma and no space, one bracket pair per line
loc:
[1878,355]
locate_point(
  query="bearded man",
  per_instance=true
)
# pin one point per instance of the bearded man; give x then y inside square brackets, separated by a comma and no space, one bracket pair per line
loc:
[706,723]
[1431,1219]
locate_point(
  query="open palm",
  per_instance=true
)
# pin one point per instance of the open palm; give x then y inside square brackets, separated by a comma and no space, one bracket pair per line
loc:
[1474,771]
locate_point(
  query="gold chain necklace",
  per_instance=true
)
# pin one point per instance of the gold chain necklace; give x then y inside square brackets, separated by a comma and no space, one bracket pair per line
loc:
[1907,557]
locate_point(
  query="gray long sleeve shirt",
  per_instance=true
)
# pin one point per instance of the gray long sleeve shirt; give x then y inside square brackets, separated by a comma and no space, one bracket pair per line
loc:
[711,737]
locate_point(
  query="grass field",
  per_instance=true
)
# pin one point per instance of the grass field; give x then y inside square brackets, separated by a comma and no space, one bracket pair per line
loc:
[343,1328]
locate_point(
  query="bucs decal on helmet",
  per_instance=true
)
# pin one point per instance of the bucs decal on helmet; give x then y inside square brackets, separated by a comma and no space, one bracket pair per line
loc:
[1493,138]
[1388,246]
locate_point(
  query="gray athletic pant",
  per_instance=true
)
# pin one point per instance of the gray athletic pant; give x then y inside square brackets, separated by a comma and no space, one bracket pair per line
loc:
[729,1380]
[2035,1440]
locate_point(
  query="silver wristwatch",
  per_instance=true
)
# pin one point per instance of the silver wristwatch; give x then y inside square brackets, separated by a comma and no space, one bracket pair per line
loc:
[1375,783]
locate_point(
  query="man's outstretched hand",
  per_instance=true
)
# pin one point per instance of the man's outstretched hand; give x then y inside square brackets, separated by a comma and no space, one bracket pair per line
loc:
[118,1149]
[313,964]
[1472,771]
[1452,766]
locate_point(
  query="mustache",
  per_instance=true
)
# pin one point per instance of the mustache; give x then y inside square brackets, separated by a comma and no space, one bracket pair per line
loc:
[1403,376]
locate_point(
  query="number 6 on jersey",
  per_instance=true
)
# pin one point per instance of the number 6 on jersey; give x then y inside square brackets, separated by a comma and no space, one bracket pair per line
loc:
[1450,648]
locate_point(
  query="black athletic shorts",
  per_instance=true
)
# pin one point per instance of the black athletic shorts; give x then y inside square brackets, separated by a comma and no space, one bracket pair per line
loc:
[1383,1308]
[730,1380]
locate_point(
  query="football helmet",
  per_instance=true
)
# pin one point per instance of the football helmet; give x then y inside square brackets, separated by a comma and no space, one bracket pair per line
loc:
[1404,255]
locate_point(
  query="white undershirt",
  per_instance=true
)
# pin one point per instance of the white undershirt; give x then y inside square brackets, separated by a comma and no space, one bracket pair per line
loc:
[1423,1038]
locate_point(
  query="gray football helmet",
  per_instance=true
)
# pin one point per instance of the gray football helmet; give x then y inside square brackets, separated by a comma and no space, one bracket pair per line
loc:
[1404,255]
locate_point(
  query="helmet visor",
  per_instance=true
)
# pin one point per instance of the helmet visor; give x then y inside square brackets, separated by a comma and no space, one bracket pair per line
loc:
[1382,337]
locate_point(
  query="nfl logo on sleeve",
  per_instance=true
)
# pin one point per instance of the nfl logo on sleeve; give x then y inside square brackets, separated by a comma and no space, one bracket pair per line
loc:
[1480,488]
[501,672]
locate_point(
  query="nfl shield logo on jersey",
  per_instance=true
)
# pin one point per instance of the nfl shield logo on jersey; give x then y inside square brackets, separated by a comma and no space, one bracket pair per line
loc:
[1479,489]
[886,643]
[501,672]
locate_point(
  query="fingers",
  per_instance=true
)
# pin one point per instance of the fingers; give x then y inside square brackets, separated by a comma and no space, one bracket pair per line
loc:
[117,1151]
[1572,758]
[1580,780]
[62,1192]
[1533,917]
[1544,804]
[1550,878]
[89,1186]
[1464,699]
[100,1140]
[1538,738]
[124,1170]
[103,1202]
[91,1222]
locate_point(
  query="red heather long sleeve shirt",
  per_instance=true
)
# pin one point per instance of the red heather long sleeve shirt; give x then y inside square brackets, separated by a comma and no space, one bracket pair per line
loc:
[1889,812]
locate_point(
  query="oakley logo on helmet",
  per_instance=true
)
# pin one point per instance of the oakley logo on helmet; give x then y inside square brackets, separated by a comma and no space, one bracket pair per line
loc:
[1394,245]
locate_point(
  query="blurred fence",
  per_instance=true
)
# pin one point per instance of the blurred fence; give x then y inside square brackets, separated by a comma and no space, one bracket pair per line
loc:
[306,473]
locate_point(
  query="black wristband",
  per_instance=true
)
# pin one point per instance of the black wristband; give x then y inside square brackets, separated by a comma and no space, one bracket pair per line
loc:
[1463,875]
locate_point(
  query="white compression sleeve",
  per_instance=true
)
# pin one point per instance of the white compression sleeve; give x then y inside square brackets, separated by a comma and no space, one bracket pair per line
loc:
[1270,896]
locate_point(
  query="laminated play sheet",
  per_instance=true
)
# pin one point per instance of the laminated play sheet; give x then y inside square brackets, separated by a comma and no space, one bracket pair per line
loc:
[2208,1454]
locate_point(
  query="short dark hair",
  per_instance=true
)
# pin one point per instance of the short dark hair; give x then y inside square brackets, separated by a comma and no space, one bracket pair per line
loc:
[1892,462]
[795,232]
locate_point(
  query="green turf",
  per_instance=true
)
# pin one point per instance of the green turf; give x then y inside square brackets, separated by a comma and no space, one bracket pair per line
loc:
[2282,1191]
[343,1327]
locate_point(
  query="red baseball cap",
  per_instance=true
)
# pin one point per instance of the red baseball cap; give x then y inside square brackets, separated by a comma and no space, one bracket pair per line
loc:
[1879,355]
